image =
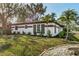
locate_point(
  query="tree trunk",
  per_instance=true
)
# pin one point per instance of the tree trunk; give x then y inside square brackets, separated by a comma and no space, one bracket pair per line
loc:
[4,27]
[47,30]
[67,32]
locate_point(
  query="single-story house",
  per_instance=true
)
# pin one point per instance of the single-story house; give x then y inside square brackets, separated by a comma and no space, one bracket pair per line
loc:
[36,28]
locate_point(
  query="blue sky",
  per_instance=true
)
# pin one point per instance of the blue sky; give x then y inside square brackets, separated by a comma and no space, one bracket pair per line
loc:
[58,8]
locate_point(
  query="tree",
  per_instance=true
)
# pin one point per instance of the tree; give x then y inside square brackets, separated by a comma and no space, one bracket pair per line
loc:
[37,10]
[22,12]
[68,17]
[46,18]
[7,11]
[77,20]
[49,17]
[53,15]
[10,10]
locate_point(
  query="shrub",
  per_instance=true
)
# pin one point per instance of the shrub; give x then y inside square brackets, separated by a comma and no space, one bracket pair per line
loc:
[41,33]
[29,33]
[24,32]
[5,46]
[18,32]
[72,37]
[49,33]
[62,34]
[8,31]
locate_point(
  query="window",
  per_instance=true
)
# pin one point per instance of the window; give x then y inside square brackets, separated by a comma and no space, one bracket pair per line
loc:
[38,28]
[16,28]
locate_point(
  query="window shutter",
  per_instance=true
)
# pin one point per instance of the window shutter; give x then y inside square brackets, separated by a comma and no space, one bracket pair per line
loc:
[16,27]
[42,28]
[25,26]
[55,29]
[34,29]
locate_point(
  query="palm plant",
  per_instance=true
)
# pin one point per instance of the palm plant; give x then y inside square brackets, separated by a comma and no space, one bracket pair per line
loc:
[47,19]
[68,17]
[53,15]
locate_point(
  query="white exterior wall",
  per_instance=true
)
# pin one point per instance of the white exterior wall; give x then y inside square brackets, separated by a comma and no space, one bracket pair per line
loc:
[25,30]
[52,29]
[30,29]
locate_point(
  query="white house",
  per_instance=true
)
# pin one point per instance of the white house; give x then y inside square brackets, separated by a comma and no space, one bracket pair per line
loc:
[35,28]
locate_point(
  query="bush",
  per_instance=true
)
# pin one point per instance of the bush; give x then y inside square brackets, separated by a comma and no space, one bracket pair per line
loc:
[62,34]
[49,33]
[24,32]
[18,32]
[29,33]
[41,33]
[8,31]
[72,37]
[5,46]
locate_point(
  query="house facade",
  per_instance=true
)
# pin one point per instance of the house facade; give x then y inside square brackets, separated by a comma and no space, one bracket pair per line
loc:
[36,28]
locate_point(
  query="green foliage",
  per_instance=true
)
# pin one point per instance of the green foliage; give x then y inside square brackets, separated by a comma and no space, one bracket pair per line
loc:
[49,17]
[53,15]
[29,33]
[23,32]
[67,17]
[73,37]
[28,45]
[46,18]
[77,28]
[62,34]
[4,46]
[49,33]
[41,33]
[8,31]
[36,9]
[18,32]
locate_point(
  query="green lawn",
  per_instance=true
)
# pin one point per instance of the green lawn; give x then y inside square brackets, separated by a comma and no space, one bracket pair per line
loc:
[21,45]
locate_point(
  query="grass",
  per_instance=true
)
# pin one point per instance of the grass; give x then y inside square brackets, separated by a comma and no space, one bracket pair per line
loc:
[25,45]
[77,36]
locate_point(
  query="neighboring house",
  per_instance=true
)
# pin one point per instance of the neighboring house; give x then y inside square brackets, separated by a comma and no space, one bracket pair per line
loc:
[35,28]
